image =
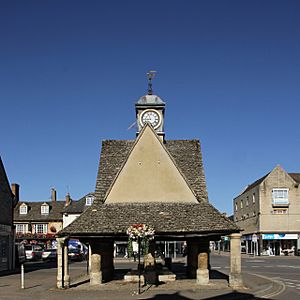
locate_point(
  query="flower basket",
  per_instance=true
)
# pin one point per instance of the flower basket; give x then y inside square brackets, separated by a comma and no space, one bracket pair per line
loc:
[139,232]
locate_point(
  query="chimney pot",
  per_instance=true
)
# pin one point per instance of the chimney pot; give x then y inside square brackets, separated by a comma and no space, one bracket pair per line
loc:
[68,199]
[15,188]
[53,194]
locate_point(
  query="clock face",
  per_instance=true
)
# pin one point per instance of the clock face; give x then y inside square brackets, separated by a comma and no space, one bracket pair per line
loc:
[150,116]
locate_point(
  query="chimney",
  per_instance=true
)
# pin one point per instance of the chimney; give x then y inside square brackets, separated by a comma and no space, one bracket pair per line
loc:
[68,199]
[15,188]
[53,195]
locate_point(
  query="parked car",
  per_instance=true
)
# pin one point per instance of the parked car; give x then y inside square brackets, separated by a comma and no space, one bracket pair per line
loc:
[33,252]
[49,254]
[76,254]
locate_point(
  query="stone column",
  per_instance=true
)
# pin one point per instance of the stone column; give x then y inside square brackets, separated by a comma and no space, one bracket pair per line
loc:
[95,273]
[192,258]
[102,263]
[66,266]
[203,259]
[90,258]
[60,263]
[235,276]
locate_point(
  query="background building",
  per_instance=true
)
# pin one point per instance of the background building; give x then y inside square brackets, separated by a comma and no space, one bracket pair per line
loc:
[269,212]
[8,199]
[38,222]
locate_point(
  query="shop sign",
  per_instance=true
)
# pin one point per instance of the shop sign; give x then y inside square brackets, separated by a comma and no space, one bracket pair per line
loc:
[279,236]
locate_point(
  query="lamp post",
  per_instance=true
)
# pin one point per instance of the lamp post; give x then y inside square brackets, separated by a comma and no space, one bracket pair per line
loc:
[139,263]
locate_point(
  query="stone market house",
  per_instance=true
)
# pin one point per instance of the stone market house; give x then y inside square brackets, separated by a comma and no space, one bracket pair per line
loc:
[156,182]
[8,200]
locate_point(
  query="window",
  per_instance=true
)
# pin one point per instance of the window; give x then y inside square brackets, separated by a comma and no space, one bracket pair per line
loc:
[253,198]
[40,228]
[89,200]
[21,228]
[23,209]
[247,201]
[241,203]
[280,196]
[236,206]
[45,209]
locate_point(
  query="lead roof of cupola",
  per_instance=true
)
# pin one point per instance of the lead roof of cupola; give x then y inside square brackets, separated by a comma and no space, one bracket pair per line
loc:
[150,100]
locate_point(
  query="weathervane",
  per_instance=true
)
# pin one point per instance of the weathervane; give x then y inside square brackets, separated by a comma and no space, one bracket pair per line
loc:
[150,75]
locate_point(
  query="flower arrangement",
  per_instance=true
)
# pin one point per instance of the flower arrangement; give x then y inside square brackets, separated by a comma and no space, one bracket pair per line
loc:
[141,232]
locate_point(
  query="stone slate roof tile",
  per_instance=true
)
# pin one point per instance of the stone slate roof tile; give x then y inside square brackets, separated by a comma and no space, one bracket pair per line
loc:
[166,218]
[186,153]
[34,211]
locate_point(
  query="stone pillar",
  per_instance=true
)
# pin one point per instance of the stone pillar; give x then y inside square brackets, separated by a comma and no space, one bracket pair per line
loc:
[90,258]
[95,273]
[107,262]
[101,262]
[66,267]
[192,258]
[61,262]
[203,259]
[235,276]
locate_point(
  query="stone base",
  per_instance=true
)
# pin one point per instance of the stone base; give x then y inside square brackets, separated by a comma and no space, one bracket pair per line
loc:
[96,278]
[66,281]
[134,278]
[235,281]
[202,276]
[59,283]
[166,276]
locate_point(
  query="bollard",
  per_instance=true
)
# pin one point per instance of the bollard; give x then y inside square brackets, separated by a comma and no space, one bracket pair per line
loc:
[22,277]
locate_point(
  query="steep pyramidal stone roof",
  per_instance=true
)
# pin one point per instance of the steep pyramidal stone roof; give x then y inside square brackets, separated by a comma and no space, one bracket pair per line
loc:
[180,219]
[167,218]
[186,153]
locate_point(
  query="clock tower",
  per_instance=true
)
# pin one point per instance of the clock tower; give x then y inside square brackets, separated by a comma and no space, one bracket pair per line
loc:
[150,109]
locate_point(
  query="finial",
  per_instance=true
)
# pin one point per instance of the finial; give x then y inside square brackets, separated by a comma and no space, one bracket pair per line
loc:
[150,75]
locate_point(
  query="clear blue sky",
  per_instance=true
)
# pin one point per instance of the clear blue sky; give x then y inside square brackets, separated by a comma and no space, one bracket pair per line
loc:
[71,72]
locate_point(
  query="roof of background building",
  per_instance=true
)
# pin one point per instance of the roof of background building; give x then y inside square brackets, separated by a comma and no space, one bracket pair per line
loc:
[78,206]
[295,176]
[56,209]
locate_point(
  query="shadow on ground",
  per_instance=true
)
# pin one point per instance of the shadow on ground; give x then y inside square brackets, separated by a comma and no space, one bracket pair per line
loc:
[229,296]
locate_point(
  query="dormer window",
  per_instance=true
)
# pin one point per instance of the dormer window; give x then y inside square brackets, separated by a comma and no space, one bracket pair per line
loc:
[89,200]
[23,209]
[45,209]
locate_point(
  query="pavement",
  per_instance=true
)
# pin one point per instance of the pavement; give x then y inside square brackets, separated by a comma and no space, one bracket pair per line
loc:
[39,285]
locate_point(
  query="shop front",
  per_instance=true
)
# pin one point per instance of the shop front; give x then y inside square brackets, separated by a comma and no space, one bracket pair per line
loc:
[279,243]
